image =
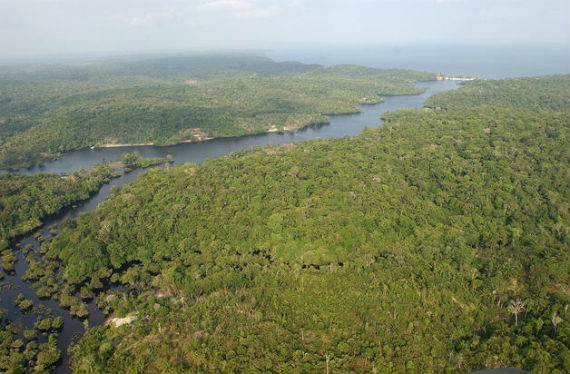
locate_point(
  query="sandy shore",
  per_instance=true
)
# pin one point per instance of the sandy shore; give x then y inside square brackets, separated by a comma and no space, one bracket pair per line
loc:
[284,129]
[116,145]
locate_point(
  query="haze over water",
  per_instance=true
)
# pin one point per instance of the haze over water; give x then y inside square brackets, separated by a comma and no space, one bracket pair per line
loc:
[482,61]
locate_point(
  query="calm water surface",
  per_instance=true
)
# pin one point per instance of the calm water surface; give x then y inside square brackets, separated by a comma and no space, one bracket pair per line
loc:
[73,328]
[339,126]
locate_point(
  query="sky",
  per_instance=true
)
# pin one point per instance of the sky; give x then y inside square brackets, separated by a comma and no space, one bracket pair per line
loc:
[40,27]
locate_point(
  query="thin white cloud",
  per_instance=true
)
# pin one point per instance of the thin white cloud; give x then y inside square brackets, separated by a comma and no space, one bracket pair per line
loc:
[239,9]
[152,18]
[53,26]
[226,5]
[255,13]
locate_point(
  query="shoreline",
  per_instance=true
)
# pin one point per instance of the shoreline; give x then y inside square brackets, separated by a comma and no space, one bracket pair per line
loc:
[271,130]
[104,192]
[118,145]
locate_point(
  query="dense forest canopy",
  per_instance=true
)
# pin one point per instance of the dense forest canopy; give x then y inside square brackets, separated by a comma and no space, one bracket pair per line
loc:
[25,200]
[45,110]
[548,93]
[437,243]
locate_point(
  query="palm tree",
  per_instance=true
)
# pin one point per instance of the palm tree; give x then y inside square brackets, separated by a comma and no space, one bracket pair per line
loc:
[517,307]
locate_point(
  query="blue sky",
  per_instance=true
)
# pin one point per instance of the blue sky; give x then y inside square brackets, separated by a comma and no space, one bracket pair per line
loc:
[30,27]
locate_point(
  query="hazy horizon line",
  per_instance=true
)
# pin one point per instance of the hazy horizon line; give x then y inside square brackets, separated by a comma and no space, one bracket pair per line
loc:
[58,57]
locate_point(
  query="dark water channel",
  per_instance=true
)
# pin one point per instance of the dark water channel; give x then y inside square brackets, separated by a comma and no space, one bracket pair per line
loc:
[73,328]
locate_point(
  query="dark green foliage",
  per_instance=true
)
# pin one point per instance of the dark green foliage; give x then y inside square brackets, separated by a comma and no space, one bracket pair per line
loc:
[359,72]
[134,160]
[22,303]
[435,244]
[8,260]
[548,93]
[26,200]
[49,324]
[21,352]
[47,356]
[167,101]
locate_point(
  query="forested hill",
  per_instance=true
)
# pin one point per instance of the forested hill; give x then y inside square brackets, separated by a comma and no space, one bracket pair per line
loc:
[437,243]
[549,93]
[46,110]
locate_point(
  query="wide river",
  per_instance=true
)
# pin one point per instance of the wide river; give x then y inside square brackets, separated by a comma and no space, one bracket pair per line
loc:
[339,126]
[73,328]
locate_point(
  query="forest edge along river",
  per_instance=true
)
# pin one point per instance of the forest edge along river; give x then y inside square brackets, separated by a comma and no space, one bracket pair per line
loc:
[73,328]
[338,126]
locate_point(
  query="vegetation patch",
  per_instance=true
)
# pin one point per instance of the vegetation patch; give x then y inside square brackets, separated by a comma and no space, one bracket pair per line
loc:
[437,243]
[47,110]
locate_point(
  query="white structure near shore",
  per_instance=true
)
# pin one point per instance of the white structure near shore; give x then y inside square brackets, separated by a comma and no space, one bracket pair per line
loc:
[441,77]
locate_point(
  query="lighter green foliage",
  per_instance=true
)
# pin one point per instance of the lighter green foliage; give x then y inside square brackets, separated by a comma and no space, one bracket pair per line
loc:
[47,110]
[398,251]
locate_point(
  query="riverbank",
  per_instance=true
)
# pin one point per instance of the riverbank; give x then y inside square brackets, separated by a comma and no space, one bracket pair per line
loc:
[197,152]
[272,129]
[16,282]
[339,215]
[118,145]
